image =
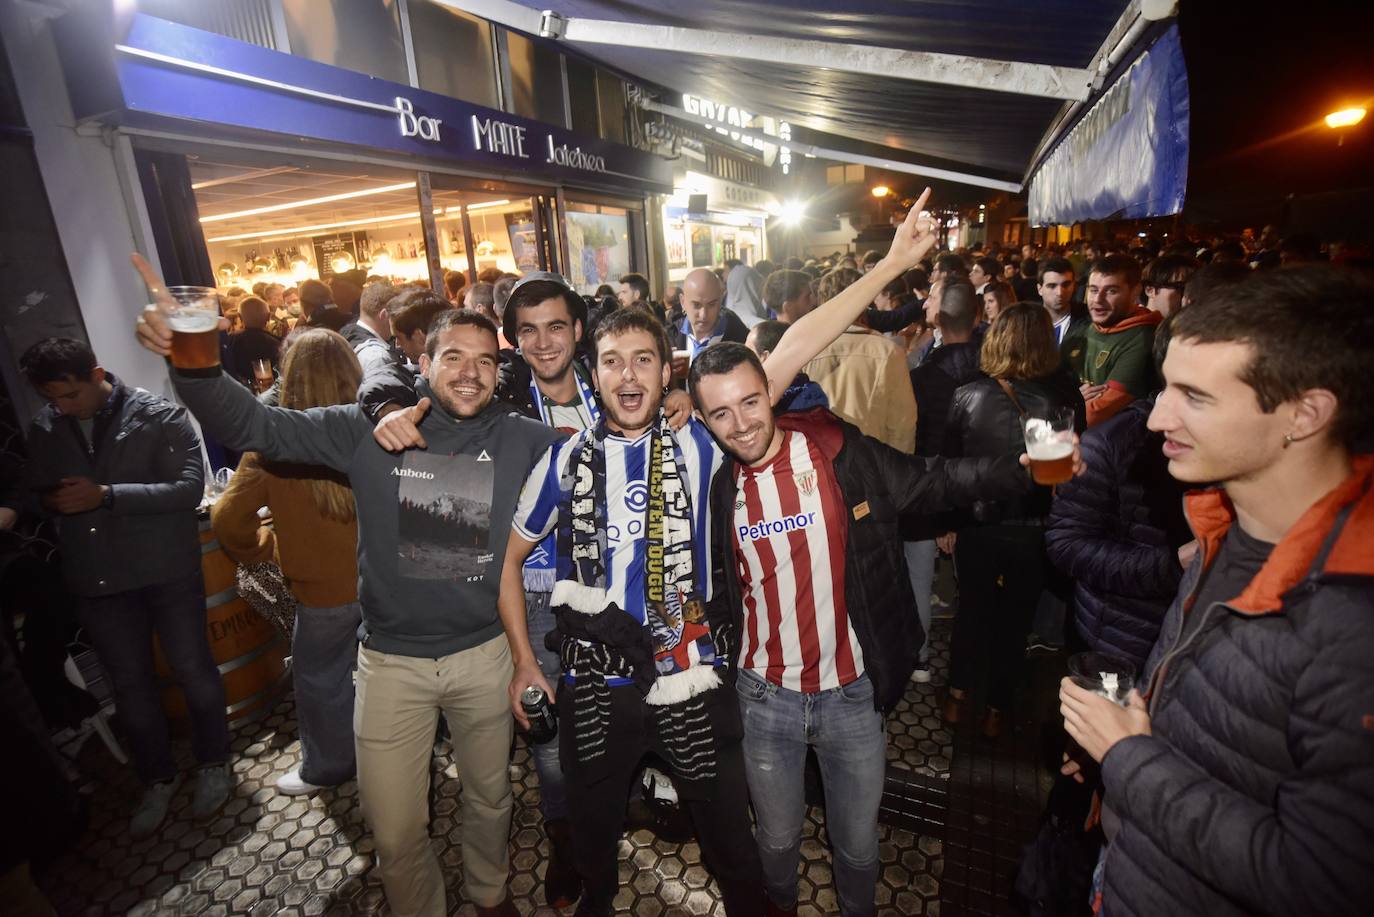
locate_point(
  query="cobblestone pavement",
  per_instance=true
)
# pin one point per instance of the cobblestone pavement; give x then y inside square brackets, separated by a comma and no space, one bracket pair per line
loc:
[270,854]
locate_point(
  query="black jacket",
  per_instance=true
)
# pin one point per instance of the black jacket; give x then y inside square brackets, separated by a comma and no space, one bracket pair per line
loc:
[878,483]
[1116,531]
[145,448]
[983,421]
[735,330]
[1254,793]
[249,345]
[329,316]
[934,382]
[894,319]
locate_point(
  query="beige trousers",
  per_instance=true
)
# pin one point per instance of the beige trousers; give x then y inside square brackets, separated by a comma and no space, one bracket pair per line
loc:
[394,717]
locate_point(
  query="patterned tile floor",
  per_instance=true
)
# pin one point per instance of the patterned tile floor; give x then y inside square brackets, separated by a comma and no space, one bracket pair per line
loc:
[269,854]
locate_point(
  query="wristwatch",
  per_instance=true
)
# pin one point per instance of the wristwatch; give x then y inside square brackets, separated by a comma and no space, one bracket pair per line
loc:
[107,501]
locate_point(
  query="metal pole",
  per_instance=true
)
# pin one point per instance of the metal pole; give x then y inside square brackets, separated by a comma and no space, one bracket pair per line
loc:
[430,232]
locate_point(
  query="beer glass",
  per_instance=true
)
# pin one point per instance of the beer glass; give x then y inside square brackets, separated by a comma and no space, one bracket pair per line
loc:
[1103,674]
[262,375]
[1049,443]
[193,313]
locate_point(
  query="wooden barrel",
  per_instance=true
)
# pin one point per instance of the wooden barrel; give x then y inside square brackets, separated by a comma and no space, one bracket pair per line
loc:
[251,655]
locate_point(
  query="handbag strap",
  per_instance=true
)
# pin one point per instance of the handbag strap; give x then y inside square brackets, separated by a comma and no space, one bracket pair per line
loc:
[1006,387]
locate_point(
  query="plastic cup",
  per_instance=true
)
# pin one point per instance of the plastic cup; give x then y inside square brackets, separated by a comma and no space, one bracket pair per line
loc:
[1103,674]
[1049,443]
[193,314]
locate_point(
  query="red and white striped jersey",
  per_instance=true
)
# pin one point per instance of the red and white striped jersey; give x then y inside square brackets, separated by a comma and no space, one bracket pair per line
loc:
[789,539]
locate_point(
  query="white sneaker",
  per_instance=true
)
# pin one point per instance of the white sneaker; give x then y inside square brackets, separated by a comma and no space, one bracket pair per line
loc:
[291,784]
[921,676]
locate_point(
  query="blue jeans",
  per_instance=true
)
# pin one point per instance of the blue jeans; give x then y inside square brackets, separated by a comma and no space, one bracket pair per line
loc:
[553,799]
[324,650]
[851,744]
[121,628]
[920,566]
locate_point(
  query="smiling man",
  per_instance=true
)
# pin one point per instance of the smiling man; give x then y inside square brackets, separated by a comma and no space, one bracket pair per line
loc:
[1246,786]
[1116,366]
[805,518]
[645,634]
[433,523]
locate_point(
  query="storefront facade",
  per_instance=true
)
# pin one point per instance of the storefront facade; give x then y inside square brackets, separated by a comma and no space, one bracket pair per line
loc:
[708,221]
[257,165]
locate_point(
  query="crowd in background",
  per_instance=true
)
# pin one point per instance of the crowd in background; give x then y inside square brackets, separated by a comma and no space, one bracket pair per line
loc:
[899,384]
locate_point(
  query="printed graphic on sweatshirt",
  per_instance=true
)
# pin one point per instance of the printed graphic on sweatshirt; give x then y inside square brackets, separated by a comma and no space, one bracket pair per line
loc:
[445,516]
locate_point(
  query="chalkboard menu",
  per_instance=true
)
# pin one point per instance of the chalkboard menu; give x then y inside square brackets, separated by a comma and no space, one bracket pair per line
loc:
[330,248]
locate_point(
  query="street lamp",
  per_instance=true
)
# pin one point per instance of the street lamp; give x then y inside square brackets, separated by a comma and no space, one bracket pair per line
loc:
[1346,117]
[881,192]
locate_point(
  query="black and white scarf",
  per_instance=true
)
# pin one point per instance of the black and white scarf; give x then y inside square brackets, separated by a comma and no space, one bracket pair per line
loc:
[670,656]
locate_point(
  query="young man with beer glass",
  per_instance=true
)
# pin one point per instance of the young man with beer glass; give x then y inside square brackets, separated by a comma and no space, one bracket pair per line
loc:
[432,530]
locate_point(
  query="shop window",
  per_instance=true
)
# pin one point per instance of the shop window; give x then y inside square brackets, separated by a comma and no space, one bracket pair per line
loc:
[453,53]
[246,20]
[362,35]
[536,77]
[610,99]
[582,100]
[598,245]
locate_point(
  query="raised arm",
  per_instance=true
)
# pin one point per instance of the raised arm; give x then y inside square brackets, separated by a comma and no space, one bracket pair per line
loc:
[814,331]
[230,413]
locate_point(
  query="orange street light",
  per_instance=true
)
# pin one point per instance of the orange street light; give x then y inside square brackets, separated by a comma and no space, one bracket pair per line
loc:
[1343,118]
[884,190]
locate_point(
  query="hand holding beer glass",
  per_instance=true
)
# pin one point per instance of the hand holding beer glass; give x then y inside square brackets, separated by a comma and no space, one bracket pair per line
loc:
[262,375]
[1050,445]
[182,323]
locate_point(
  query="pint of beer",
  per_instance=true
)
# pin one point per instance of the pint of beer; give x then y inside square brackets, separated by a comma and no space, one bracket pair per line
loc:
[194,317]
[1049,443]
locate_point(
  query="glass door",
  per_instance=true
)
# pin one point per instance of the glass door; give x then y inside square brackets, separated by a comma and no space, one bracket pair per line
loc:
[486,228]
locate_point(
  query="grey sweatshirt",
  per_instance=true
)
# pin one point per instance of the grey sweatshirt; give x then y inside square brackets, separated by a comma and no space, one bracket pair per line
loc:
[432,524]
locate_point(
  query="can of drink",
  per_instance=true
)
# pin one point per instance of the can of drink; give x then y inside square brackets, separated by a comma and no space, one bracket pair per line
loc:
[543,718]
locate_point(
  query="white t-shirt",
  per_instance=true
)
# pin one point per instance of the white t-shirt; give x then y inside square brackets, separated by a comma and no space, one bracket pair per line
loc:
[627,498]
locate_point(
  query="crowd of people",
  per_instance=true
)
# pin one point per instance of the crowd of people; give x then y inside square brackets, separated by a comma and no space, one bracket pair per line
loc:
[705,530]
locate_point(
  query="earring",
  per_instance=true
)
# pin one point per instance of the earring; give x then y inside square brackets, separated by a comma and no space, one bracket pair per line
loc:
[1287,440]
[665,391]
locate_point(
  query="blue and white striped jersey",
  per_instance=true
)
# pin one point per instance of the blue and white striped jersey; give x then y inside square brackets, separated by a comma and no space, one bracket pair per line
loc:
[627,496]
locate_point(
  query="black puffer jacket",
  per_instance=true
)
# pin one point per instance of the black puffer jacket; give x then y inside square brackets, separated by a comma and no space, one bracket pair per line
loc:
[1254,794]
[984,421]
[1116,531]
[878,483]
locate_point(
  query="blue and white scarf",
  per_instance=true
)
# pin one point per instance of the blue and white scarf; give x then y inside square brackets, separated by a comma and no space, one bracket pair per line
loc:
[584,392]
[540,572]
[694,346]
